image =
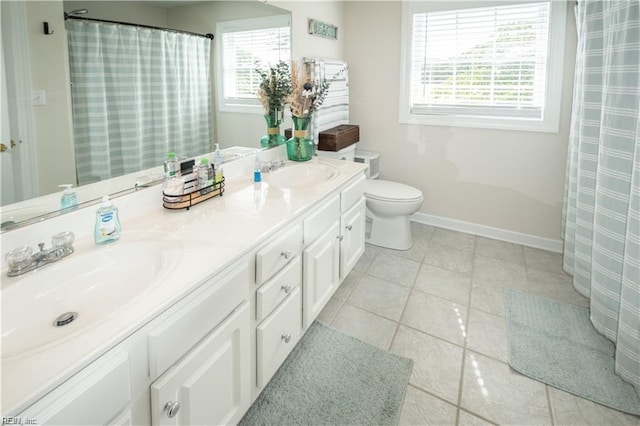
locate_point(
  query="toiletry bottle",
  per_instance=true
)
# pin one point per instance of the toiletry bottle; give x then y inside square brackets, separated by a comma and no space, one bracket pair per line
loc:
[205,177]
[107,227]
[257,170]
[217,163]
[170,165]
[69,199]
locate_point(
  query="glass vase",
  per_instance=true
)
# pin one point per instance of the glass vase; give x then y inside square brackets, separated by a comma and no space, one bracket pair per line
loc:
[273,136]
[300,147]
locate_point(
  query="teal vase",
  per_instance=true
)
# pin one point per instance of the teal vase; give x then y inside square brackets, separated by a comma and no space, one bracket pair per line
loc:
[273,136]
[300,147]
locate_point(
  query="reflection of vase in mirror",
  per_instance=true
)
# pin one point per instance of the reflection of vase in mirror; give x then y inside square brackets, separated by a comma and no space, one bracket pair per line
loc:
[299,146]
[273,136]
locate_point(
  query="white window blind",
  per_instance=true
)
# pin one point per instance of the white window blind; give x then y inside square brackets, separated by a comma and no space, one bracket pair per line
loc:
[488,61]
[245,43]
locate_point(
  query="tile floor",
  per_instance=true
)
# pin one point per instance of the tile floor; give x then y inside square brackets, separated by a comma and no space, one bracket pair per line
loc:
[441,305]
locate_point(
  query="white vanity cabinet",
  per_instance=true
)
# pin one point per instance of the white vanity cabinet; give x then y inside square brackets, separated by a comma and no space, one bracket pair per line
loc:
[329,259]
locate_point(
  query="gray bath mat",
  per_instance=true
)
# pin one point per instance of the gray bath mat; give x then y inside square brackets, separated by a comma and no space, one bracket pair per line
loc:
[556,343]
[331,378]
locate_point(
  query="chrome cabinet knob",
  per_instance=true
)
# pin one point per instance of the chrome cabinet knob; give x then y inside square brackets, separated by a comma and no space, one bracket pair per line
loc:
[349,227]
[286,338]
[286,288]
[286,254]
[340,237]
[172,408]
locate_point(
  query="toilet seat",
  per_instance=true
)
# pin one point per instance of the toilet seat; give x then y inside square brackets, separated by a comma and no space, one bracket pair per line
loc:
[384,190]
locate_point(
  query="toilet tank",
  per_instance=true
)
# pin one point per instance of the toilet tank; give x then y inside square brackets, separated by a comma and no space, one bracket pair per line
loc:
[346,154]
[371,158]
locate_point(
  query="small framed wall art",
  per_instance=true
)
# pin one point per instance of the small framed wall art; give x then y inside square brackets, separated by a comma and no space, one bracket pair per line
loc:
[322,29]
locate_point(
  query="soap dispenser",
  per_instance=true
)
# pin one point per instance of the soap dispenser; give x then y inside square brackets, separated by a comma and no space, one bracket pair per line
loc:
[107,227]
[257,169]
[69,198]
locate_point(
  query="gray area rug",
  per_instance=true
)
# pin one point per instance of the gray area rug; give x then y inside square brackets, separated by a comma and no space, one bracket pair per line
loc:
[556,343]
[333,379]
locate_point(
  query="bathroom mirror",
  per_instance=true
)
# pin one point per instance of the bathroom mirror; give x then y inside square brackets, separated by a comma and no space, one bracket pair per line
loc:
[53,162]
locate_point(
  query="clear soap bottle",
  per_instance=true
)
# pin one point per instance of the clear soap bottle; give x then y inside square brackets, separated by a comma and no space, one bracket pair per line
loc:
[107,227]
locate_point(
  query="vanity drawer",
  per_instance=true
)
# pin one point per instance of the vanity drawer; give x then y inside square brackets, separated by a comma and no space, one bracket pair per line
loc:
[277,336]
[278,253]
[320,220]
[277,288]
[94,396]
[205,309]
[352,193]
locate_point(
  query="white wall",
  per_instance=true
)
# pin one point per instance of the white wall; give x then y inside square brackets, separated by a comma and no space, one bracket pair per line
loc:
[504,179]
[52,126]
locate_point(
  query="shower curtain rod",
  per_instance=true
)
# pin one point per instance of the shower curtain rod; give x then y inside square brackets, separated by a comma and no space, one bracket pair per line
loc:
[68,16]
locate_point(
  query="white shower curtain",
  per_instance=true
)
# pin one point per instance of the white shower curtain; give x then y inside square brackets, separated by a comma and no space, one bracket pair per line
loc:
[137,93]
[601,214]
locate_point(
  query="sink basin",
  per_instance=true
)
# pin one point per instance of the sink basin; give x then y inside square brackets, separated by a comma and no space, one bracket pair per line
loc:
[95,285]
[302,175]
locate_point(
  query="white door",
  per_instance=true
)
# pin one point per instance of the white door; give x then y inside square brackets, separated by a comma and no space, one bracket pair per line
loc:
[210,385]
[321,268]
[352,227]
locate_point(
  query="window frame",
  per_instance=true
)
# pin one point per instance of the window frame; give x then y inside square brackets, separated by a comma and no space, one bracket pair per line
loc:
[550,121]
[249,106]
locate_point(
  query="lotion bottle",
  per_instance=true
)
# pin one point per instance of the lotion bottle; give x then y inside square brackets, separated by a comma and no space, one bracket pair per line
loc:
[107,227]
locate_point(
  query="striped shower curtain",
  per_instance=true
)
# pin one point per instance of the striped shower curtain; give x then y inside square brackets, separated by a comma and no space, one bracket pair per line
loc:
[601,215]
[137,93]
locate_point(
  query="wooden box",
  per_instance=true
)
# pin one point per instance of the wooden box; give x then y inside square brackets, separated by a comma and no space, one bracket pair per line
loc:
[338,137]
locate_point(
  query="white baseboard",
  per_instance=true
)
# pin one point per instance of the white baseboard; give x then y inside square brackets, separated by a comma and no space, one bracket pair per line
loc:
[489,232]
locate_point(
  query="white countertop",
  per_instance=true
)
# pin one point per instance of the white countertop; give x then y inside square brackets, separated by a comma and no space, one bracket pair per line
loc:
[204,240]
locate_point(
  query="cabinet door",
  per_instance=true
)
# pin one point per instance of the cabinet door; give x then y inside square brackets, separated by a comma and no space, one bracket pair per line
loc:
[321,262]
[352,227]
[210,385]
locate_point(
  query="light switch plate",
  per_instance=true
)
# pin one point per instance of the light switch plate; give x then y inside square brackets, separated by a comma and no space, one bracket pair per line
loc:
[38,97]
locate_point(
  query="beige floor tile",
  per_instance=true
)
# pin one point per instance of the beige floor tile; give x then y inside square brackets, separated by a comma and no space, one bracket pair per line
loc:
[568,409]
[487,334]
[500,250]
[453,286]
[394,268]
[365,260]
[416,252]
[436,363]
[363,325]
[487,296]
[420,408]
[468,419]
[329,311]
[499,272]
[421,231]
[542,259]
[347,286]
[554,286]
[493,391]
[380,297]
[436,316]
[448,258]
[454,239]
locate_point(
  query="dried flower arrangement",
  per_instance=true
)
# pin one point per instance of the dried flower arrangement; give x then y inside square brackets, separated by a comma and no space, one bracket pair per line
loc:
[306,97]
[275,87]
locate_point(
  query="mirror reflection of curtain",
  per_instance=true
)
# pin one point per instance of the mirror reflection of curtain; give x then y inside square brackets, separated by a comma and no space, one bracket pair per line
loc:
[137,93]
[601,227]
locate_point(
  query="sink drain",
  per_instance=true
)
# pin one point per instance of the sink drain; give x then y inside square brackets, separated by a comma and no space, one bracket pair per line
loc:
[65,319]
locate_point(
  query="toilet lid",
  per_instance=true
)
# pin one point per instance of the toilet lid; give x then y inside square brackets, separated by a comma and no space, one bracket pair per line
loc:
[392,191]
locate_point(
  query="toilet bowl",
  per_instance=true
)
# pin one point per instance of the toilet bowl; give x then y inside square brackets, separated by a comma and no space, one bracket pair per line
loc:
[389,205]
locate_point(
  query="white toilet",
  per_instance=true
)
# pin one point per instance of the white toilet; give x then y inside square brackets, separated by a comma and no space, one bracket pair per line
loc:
[389,204]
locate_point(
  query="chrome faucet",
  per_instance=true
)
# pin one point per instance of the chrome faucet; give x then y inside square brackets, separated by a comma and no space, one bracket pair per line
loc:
[273,165]
[23,260]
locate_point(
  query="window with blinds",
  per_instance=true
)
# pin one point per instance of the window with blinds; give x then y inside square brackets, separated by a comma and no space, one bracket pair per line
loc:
[243,44]
[484,62]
